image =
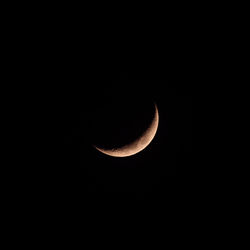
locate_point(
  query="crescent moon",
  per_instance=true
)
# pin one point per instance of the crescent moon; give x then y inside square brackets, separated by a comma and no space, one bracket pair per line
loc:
[139,144]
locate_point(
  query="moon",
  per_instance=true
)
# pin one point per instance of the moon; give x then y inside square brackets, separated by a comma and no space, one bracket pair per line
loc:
[139,144]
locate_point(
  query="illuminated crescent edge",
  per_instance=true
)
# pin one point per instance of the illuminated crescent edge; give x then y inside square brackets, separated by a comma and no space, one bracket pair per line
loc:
[139,144]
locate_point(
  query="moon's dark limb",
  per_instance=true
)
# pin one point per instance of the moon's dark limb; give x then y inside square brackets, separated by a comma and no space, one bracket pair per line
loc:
[134,144]
[119,121]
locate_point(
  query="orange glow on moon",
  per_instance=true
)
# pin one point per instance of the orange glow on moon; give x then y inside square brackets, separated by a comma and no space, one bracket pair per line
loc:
[138,145]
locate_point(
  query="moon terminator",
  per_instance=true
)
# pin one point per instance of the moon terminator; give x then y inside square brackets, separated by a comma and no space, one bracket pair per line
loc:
[139,144]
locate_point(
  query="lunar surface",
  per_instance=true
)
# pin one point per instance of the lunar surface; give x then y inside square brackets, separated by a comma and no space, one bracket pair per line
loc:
[139,144]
